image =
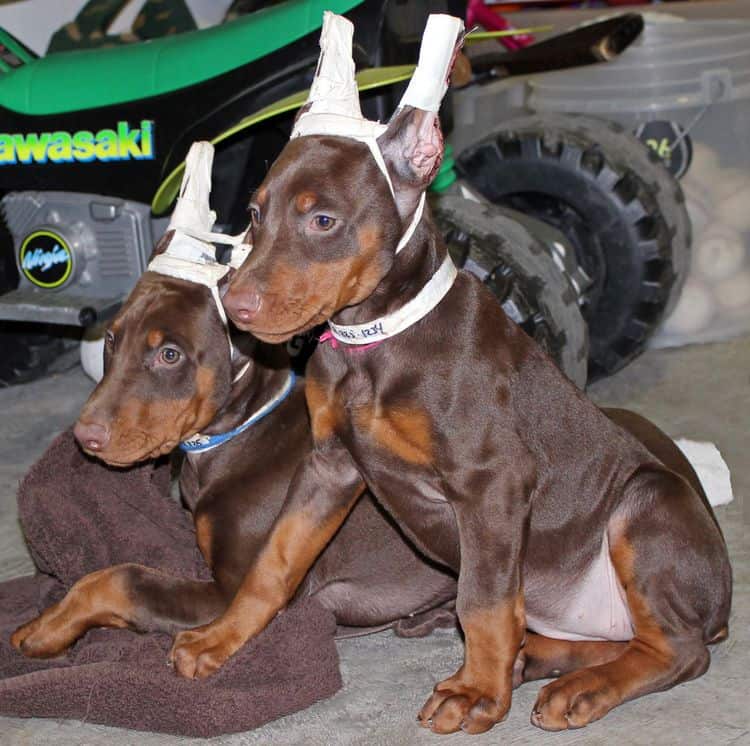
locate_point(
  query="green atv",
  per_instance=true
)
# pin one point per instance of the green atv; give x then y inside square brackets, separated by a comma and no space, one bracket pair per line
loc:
[92,148]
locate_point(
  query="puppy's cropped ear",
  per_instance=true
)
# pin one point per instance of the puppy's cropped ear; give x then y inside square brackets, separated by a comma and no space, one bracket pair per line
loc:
[162,244]
[412,147]
[412,144]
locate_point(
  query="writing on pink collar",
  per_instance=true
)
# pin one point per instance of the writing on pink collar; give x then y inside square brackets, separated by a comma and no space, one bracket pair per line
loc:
[327,336]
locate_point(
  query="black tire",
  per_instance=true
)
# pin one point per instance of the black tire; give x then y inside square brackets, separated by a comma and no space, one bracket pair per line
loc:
[520,272]
[614,201]
[28,350]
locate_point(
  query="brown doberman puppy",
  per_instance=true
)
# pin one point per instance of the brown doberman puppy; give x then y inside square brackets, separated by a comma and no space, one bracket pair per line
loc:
[168,376]
[587,528]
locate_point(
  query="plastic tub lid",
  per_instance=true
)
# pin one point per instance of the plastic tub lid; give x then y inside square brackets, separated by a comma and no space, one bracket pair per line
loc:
[673,65]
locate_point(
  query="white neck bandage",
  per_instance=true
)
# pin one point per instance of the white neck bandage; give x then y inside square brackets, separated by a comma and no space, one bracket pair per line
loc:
[333,109]
[191,255]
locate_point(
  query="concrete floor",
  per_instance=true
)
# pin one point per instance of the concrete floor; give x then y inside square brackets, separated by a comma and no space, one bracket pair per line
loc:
[701,392]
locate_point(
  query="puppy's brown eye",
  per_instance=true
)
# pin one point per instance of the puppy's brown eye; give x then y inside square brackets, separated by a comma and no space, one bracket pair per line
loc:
[109,341]
[254,216]
[169,355]
[323,222]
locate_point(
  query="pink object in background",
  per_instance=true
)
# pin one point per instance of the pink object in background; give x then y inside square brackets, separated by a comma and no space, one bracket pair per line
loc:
[478,13]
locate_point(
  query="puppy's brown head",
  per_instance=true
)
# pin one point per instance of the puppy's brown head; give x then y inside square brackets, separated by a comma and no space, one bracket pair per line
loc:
[325,225]
[167,373]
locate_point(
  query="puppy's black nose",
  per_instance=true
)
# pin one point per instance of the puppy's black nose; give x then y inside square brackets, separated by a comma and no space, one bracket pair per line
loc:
[91,435]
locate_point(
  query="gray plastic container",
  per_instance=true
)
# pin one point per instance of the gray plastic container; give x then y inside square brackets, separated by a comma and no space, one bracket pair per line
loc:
[674,69]
[684,88]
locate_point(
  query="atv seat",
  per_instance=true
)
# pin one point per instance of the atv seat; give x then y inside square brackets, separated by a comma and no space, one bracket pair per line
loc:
[86,79]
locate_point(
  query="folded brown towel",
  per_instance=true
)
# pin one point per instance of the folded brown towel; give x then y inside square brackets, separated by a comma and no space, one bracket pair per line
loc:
[79,516]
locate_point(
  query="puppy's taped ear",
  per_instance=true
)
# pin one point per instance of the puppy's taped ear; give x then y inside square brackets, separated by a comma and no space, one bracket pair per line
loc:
[412,144]
[162,244]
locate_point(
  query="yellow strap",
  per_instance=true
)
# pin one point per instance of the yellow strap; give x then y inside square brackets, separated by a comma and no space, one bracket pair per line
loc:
[374,77]
[476,36]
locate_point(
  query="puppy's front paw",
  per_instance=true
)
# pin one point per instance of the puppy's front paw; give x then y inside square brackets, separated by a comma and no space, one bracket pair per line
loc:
[573,701]
[457,704]
[198,653]
[44,637]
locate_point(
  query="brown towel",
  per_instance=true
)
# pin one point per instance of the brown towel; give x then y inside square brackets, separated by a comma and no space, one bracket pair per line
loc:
[79,516]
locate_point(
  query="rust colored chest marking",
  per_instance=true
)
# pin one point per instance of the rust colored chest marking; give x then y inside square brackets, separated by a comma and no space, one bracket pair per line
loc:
[326,413]
[406,432]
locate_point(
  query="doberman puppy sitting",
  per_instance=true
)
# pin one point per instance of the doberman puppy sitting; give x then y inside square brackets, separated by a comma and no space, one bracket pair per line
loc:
[587,528]
[169,375]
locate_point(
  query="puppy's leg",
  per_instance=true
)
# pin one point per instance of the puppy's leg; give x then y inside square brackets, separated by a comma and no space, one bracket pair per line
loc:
[323,491]
[547,658]
[671,560]
[121,596]
[492,527]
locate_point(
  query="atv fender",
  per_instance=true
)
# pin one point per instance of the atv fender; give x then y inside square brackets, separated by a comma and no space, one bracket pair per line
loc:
[367,80]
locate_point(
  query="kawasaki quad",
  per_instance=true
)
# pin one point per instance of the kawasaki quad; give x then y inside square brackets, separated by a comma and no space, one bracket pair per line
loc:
[92,145]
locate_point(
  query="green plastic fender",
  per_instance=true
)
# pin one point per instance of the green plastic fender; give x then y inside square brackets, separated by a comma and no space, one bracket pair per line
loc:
[92,78]
[368,79]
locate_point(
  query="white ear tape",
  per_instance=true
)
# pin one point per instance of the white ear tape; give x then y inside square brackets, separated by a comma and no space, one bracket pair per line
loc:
[333,102]
[429,83]
[192,211]
[334,89]
[190,254]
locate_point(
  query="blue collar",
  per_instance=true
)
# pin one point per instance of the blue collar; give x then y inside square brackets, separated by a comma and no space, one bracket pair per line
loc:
[202,443]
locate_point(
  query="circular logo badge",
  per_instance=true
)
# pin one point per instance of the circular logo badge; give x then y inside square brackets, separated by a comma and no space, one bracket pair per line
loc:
[46,259]
[670,142]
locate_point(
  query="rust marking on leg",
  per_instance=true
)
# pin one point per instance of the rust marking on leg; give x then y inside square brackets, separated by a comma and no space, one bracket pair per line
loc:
[96,600]
[544,657]
[478,695]
[647,630]
[649,662]
[204,536]
[292,547]
[493,637]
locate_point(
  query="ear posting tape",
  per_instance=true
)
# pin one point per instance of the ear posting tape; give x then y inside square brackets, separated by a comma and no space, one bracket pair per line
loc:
[190,254]
[333,103]
[440,42]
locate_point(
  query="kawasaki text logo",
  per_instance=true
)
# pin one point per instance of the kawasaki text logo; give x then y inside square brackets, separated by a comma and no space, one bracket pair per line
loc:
[84,146]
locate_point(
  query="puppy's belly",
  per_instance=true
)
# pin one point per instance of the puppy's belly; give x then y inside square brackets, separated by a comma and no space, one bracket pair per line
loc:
[592,607]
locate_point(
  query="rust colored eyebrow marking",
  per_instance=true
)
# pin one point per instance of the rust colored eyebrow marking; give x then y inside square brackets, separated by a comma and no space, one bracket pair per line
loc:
[154,338]
[261,196]
[305,201]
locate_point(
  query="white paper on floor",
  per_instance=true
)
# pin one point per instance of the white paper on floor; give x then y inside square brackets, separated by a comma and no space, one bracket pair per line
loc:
[711,469]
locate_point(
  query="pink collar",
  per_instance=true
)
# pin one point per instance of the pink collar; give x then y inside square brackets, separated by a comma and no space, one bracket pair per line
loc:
[327,336]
